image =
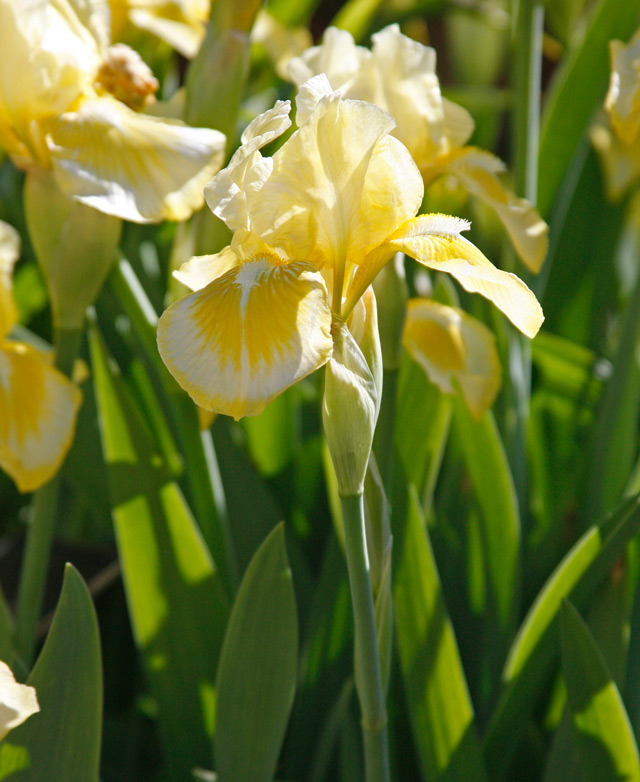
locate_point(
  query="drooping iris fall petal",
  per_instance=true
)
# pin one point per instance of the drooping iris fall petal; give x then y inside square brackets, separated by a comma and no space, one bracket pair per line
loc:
[38,407]
[238,342]
[131,165]
[455,350]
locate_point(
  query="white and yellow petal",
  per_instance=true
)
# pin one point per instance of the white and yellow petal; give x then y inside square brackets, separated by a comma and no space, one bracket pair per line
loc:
[131,165]
[455,350]
[338,57]
[477,171]
[620,162]
[181,23]
[435,241]
[51,50]
[226,192]
[623,98]
[9,252]
[338,187]
[237,343]
[200,270]
[38,408]
[17,701]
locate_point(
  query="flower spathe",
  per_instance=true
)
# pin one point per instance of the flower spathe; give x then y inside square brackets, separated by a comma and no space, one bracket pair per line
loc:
[17,701]
[312,226]
[38,404]
[66,101]
[398,74]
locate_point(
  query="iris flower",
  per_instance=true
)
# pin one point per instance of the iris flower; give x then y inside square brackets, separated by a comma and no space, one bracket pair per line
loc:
[38,404]
[180,23]
[71,105]
[618,138]
[17,701]
[312,226]
[456,351]
[398,74]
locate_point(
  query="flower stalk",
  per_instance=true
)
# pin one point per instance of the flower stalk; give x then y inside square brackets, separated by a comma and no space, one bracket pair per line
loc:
[39,540]
[368,675]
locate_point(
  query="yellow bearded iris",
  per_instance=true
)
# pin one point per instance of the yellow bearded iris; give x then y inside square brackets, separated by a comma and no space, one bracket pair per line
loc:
[67,104]
[312,227]
[38,404]
[398,74]
[618,139]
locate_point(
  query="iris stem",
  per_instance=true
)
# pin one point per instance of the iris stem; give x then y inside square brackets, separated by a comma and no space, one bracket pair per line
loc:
[39,540]
[527,50]
[368,675]
[383,444]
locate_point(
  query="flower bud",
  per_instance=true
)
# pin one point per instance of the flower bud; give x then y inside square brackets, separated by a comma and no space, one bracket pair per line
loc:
[74,244]
[349,411]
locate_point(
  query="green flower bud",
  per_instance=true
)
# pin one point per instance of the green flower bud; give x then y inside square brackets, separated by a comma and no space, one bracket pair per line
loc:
[349,411]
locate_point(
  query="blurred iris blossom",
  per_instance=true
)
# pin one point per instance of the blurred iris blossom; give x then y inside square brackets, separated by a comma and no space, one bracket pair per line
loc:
[38,404]
[398,74]
[312,227]
[17,701]
[617,138]
[180,23]
[71,105]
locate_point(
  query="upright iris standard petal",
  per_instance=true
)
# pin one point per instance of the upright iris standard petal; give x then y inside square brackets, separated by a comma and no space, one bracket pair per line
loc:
[435,241]
[339,186]
[38,407]
[454,350]
[130,165]
[477,171]
[238,342]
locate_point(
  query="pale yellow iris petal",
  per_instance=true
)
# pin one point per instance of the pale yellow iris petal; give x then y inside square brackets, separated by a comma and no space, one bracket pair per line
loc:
[620,161]
[203,269]
[623,99]
[9,252]
[38,407]
[130,165]
[434,241]
[49,56]
[247,170]
[248,335]
[181,23]
[339,186]
[477,171]
[17,701]
[454,350]
[337,57]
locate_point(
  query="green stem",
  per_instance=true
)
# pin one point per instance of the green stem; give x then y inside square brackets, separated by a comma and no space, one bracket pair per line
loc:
[368,676]
[35,562]
[526,124]
[383,444]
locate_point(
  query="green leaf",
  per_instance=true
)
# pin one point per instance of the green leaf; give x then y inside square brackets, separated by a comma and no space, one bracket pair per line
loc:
[604,736]
[436,690]
[533,653]
[580,84]
[62,741]
[177,606]
[257,671]
[272,436]
[493,489]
